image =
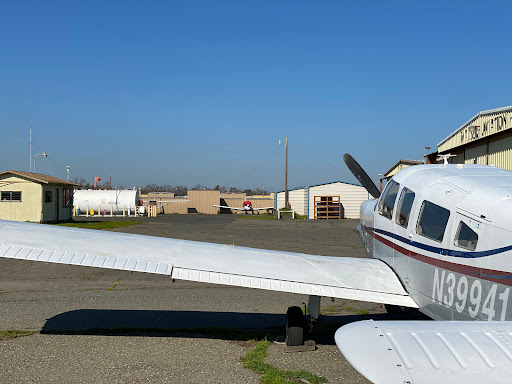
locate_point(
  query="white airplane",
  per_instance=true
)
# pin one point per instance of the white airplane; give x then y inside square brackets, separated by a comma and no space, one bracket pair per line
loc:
[438,239]
[246,206]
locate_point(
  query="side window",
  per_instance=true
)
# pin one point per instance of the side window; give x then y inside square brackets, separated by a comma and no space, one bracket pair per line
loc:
[466,237]
[432,221]
[387,200]
[48,196]
[10,196]
[66,197]
[404,207]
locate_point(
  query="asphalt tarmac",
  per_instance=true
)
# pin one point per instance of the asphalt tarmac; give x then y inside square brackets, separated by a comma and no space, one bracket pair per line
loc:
[107,326]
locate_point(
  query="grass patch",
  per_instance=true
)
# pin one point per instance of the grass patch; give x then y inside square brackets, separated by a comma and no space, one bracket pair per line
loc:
[327,310]
[102,225]
[362,312]
[258,217]
[14,333]
[118,281]
[255,361]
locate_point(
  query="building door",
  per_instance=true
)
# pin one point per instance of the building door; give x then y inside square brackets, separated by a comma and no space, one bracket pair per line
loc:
[327,207]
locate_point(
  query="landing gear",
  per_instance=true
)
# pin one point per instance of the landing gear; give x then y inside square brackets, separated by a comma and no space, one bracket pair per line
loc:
[298,325]
[295,326]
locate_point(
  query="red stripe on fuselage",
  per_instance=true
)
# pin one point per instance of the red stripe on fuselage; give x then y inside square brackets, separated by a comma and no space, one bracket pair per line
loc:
[458,268]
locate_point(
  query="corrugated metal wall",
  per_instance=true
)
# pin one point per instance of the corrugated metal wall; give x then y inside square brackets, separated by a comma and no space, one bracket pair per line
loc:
[459,157]
[298,199]
[178,206]
[351,197]
[500,153]
[203,201]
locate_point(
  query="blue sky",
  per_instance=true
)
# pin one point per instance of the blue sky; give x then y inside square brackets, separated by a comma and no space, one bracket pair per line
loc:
[200,92]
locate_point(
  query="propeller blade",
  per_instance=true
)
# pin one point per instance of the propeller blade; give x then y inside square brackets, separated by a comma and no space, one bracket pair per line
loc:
[361,175]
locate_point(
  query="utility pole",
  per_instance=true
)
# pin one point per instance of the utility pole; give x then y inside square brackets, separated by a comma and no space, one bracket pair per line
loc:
[286,202]
[30,148]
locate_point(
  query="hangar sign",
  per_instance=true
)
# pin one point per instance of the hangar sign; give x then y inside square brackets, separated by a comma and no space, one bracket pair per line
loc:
[482,125]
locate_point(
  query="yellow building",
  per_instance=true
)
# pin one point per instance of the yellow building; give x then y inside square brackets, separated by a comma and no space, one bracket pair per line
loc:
[26,196]
[486,138]
[402,164]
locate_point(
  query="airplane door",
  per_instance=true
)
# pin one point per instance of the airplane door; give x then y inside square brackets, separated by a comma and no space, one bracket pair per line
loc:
[403,228]
[383,224]
[422,241]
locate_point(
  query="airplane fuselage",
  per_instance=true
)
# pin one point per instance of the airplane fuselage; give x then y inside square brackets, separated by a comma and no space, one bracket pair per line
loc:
[446,232]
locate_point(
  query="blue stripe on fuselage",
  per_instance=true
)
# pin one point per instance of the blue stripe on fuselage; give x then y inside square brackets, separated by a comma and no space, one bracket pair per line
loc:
[442,251]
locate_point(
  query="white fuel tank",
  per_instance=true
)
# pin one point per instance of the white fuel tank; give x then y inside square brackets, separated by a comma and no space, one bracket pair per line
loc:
[104,199]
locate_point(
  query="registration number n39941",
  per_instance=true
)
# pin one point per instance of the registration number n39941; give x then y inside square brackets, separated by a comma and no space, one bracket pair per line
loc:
[469,295]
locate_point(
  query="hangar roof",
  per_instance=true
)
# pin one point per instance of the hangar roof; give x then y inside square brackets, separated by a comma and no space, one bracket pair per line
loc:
[39,178]
[483,124]
[401,164]
[317,185]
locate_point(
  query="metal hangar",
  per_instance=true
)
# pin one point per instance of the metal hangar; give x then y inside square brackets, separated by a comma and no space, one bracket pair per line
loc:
[486,138]
[335,200]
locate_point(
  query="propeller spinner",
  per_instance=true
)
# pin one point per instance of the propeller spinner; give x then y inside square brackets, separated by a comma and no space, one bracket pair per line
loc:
[361,175]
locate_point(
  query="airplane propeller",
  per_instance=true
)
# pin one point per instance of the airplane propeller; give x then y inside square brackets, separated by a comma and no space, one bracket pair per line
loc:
[361,175]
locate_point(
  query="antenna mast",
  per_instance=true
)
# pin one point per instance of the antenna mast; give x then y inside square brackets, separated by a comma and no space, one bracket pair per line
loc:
[30,148]
[286,202]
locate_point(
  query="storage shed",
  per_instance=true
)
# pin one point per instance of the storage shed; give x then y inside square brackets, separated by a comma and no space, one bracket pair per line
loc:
[34,197]
[336,200]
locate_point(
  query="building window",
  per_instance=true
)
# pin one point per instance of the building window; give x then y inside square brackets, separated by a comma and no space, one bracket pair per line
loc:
[48,197]
[10,196]
[66,197]
[433,220]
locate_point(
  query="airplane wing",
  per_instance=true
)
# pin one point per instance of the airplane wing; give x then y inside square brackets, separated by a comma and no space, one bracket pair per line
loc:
[422,352]
[225,206]
[259,209]
[349,278]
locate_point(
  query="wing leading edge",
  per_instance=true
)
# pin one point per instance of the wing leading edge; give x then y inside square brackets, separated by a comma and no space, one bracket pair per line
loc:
[349,278]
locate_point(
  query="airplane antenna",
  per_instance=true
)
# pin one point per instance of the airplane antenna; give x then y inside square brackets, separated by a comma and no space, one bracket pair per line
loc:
[445,158]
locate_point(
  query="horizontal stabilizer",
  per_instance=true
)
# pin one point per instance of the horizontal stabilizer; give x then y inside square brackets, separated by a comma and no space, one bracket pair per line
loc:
[425,352]
[349,278]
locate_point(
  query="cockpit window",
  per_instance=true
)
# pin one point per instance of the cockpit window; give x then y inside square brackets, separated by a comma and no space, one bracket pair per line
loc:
[404,207]
[387,200]
[466,237]
[432,221]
